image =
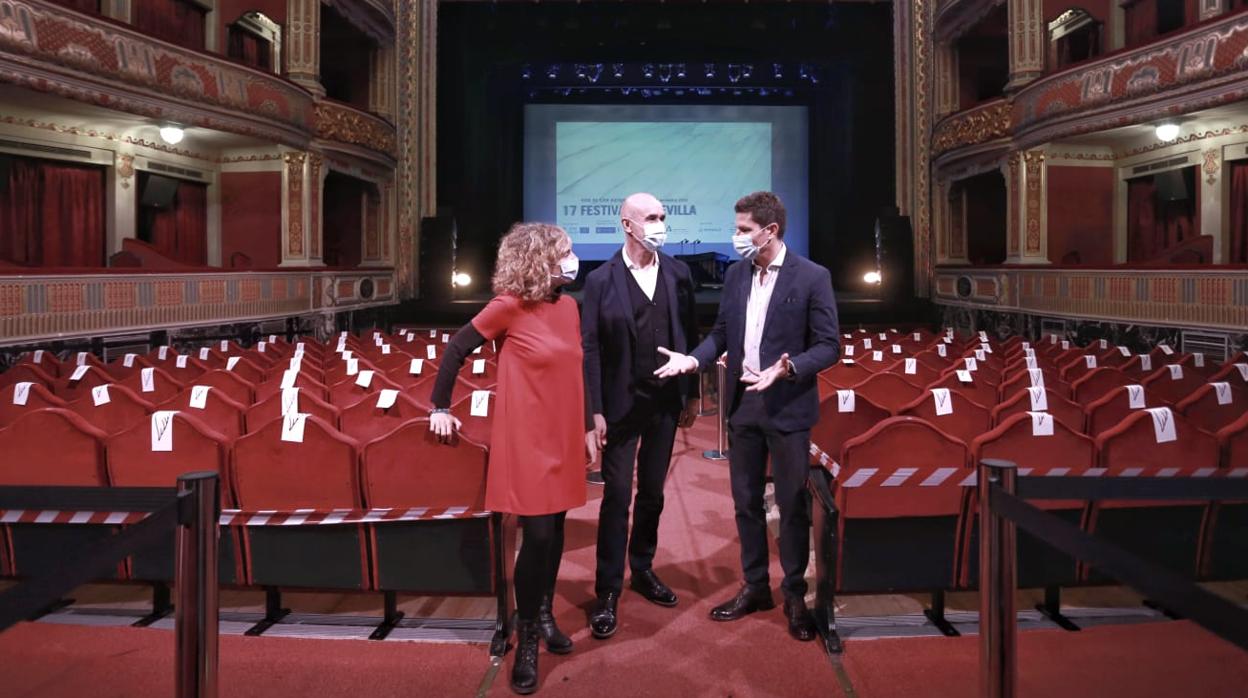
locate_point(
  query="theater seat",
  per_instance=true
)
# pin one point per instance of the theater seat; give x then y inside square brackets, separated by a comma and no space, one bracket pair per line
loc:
[1227,548]
[901,538]
[132,461]
[232,384]
[119,370]
[978,391]
[1234,372]
[365,420]
[1065,411]
[44,360]
[845,373]
[964,421]
[1095,383]
[1214,405]
[21,398]
[27,373]
[1033,446]
[79,381]
[303,379]
[319,471]
[1114,406]
[1173,382]
[210,407]
[51,446]
[477,428]
[1019,378]
[412,374]
[1165,532]
[406,468]
[351,390]
[112,408]
[422,392]
[273,407]
[153,384]
[887,390]
[184,369]
[481,373]
[842,416]
[915,372]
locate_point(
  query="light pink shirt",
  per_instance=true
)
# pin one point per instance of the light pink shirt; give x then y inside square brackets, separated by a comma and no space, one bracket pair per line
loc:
[756,311]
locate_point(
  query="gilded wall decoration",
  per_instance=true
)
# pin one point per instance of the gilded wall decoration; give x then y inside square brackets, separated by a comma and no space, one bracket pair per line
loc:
[1033,169]
[1211,165]
[1012,208]
[294,203]
[336,122]
[981,124]
[125,169]
[315,163]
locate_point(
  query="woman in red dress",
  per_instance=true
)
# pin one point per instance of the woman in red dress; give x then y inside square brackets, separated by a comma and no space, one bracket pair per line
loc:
[542,427]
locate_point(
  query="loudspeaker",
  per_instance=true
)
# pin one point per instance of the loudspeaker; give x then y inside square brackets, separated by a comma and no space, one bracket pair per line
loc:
[894,250]
[158,192]
[437,255]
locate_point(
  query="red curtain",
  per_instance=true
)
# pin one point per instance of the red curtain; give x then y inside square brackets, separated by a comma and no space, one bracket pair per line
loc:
[248,48]
[52,214]
[177,21]
[1140,20]
[1239,213]
[180,232]
[1153,227]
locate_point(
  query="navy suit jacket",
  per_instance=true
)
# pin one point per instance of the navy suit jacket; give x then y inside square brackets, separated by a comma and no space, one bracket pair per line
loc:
[609,332]
[800,321]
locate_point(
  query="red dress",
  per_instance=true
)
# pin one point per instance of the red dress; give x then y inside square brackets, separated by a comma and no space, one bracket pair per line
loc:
[537,446]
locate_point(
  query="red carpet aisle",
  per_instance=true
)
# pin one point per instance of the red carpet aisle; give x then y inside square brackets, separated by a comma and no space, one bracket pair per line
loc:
[679,651]
[1150,660]
[46,660]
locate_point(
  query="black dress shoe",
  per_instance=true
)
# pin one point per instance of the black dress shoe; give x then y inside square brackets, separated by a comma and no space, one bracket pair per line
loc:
[801,623]
[650,586]
[602,620]
[744,603]
[594,477]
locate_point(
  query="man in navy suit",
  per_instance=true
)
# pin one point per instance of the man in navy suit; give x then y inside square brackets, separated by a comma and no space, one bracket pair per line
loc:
[777,320]
[640,300]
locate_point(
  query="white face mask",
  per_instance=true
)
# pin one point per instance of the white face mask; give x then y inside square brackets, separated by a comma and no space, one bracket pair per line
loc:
[654,235]
[744,245]
[568,268]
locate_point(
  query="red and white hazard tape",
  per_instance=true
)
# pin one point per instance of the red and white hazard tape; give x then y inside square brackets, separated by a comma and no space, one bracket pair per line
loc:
[825,459]
[235,517]
[965,477]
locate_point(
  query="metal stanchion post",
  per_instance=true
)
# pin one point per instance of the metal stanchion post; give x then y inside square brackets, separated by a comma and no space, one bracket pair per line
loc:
[195,624]
[997,619]
[705,408]
[720,452]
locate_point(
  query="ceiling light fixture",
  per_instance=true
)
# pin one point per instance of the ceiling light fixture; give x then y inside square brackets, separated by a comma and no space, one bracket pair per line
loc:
[1167,131]
[171,134]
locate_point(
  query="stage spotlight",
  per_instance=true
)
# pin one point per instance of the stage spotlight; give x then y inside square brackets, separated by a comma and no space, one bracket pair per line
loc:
[777,70]
[710,71]
[172,134]
[647,71]
[553,71]
[680,70]
[461,280]
[617,69]
[872,277]
[1167,131]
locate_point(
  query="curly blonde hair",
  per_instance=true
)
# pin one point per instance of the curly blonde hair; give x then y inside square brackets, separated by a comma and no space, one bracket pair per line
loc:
[525,257]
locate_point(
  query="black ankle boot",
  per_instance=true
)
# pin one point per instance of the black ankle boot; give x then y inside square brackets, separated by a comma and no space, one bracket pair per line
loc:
[556,641]
[524,670]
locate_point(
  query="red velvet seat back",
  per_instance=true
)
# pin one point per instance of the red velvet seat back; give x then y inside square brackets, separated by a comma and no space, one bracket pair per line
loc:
[410,467]
[841,418]
[303,379]
[900,442]
[271,408]
[1234,441]
[123,410]
[1095,383]
[887,390]
[320,472]
[32,395]
[476,428]
[44,360]
[365,421]
[132,462]
[977,390]
[967,420]
[161,388]
[52,447]
[28,373]
[69,389]
[1174,384]
[118,369]
[1214,405]
[348,391]
[1114,406]
[1133,443]
[1234,372]
[219,413]
[845,373]
[1066,412]
[480,372]
[1018,378]
[232,384]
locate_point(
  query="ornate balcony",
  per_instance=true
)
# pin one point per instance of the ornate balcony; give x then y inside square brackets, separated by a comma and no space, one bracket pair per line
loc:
[342,123]
[90,59]
[37,307]
[1214,298]
[980,124]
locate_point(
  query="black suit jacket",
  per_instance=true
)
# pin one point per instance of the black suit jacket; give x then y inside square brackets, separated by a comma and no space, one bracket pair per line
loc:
[609,332]
[800,321]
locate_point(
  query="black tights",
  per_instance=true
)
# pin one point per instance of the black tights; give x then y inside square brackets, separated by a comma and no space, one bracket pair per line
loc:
[537,565]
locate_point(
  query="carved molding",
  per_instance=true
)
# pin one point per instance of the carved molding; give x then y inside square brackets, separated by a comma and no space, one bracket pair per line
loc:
[981,124]
[344,124]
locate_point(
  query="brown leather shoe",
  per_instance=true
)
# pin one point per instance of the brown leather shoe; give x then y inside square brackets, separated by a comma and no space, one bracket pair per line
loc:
[744,603]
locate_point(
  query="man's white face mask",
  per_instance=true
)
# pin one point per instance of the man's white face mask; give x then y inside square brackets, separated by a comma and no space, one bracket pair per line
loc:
[654,234]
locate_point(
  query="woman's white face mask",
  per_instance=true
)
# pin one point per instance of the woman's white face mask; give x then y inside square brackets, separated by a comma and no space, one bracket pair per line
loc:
[569,267]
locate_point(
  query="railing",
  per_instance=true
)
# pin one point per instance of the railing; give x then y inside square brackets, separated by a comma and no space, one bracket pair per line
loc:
[191,510]
[1002,509]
